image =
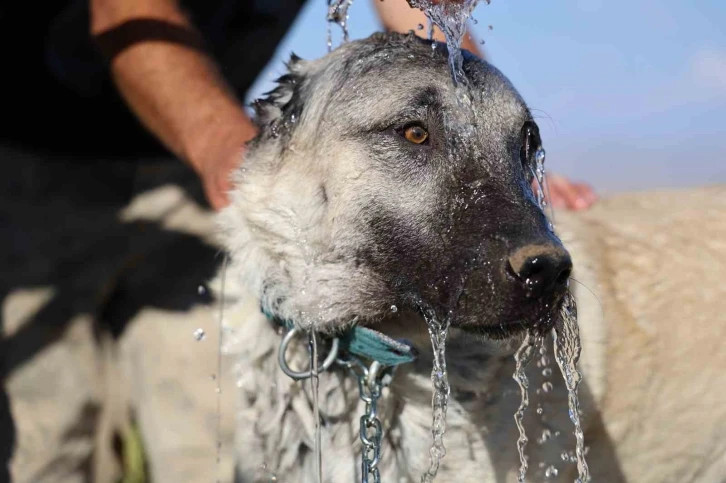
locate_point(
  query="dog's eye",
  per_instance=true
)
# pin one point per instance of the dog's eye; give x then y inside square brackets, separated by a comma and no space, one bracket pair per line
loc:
[415,134]
[530,142]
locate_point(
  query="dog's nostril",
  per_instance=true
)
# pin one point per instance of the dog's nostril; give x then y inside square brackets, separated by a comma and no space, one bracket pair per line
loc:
[540,269]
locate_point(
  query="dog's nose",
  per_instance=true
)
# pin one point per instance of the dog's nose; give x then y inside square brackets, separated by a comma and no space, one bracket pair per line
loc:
[540,269]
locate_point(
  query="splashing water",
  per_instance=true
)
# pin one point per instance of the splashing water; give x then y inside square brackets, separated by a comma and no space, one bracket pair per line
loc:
[522,357]
[315,384]
[451,18]
[338,14]
[567,353]
[440,400]
[199,335]
[551,471]
[543,188]
[539,173]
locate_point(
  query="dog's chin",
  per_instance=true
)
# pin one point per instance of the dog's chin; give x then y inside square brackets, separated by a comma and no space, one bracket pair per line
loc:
[539,319]
[497,332]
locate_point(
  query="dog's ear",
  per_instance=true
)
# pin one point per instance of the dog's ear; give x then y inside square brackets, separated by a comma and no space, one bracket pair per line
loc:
[277,112]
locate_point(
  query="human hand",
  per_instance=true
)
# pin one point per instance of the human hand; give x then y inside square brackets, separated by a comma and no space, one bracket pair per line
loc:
[218,157]
[216,177]
[569,195]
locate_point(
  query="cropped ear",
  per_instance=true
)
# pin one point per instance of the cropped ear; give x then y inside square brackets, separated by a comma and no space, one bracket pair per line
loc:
[277,113]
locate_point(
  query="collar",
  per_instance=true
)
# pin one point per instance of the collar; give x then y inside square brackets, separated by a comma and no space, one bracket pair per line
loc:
[366,343]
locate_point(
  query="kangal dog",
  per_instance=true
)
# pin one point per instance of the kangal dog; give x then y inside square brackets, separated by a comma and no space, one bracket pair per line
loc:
[378,191]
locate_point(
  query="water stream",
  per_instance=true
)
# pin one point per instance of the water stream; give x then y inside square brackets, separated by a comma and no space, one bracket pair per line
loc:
[451,18]
[338,14]
[522,357]
[218,376]
[542,188]
[315,388]
[567,353]
[438,331]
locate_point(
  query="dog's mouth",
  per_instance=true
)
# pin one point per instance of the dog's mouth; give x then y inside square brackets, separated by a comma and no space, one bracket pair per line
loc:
[508,330]
[539,318]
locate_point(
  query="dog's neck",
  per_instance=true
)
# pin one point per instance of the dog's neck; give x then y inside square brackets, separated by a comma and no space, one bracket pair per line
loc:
[276,424]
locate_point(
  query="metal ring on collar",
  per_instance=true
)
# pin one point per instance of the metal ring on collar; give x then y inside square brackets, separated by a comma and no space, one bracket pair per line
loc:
[299,375]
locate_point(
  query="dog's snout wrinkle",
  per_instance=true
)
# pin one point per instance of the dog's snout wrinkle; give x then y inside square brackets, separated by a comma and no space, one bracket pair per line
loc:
[540,268]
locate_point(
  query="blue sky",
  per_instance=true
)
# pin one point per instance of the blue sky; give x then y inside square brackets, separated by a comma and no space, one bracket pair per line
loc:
[632,96]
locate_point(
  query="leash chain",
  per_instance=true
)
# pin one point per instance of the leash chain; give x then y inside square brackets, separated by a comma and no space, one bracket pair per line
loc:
[371,381]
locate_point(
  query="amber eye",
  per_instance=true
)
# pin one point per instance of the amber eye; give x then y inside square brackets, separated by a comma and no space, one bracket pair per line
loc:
[416,134]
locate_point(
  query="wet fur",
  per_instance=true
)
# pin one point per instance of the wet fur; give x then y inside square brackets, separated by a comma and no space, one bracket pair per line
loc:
[317,233]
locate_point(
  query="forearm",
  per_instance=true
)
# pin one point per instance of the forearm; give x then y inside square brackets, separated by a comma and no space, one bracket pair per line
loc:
[176,90]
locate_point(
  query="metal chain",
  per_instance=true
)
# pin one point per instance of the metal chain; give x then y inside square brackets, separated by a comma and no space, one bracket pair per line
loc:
[371,430]
[371,381]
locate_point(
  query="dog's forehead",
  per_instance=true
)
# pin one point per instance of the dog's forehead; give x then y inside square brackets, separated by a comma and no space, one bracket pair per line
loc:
[396,74]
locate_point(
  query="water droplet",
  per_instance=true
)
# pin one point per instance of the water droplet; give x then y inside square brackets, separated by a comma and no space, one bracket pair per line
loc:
[482,42]
[551,472]
[213,377]
[199,334]
[420,26]
[540,410]
[547,372]
[539,156]
[491,27]
[201,290]
[546,435]
[547,387]
[394,309]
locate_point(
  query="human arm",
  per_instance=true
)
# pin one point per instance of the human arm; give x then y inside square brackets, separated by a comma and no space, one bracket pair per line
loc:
[174,87]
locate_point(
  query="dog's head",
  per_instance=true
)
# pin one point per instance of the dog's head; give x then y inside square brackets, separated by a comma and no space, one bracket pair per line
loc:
[375,182]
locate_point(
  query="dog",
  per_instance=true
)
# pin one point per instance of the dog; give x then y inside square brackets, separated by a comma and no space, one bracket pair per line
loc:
[381,194]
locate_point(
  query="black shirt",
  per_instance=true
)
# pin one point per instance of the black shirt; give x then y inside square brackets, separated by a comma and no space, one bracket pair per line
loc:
[55,91]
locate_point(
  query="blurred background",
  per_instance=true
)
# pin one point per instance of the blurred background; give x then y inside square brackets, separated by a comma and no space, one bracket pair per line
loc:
[629,96]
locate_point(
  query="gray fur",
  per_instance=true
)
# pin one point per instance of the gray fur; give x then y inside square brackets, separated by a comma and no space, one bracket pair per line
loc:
[360,219]
[335,219]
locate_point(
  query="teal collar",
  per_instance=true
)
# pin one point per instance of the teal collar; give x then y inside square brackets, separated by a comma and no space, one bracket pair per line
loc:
[367,343]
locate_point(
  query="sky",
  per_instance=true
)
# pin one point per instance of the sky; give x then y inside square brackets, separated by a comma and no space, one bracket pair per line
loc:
[628,95]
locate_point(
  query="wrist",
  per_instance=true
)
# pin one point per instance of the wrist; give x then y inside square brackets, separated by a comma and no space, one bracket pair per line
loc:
[215,139]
